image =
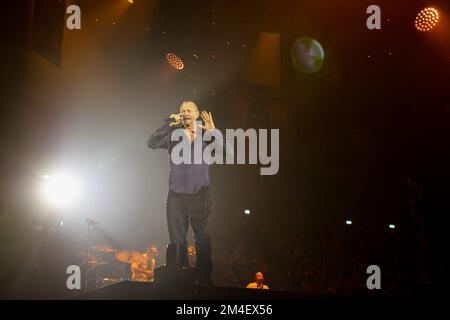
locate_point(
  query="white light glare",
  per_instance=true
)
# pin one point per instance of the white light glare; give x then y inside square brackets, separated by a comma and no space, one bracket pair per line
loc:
[60,190]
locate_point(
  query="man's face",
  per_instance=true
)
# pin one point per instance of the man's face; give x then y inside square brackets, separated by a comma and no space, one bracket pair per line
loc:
[152,250]
[259,277]
[189,113]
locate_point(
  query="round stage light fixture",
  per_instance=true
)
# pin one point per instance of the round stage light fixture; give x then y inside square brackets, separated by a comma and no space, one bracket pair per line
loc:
[426,19]
[175,61]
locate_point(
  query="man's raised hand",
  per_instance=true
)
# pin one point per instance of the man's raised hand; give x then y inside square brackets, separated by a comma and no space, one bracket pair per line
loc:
[208,119]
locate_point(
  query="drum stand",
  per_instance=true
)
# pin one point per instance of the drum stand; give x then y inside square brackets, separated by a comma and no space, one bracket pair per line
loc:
[90,222]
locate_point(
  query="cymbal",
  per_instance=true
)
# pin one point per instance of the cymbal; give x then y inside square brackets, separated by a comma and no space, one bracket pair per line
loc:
[130,257]
[96,263]
[105,249]
[92,256]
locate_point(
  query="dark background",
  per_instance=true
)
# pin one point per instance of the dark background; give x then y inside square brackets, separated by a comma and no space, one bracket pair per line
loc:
[365,138]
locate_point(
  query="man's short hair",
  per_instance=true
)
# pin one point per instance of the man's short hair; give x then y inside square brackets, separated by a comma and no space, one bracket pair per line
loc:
[191,102]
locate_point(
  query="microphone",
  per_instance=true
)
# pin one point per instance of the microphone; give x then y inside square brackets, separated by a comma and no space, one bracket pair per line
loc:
[260,283]
[170,120]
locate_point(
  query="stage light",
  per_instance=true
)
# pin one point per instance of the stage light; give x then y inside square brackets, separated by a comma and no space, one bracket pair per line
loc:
[426,19]
[246,211]
[392,226]
[348,222]
[174,61]
[130,1]
[307,55]
[60,190]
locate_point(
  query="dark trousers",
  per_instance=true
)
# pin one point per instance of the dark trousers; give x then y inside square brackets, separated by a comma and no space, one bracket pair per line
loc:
[195,209]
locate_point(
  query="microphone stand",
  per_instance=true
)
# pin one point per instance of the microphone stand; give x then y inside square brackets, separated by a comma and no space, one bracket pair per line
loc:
[90,222]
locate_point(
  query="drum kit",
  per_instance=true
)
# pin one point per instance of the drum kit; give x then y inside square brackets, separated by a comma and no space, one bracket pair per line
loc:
[123,256]
[106,265]
[106,256]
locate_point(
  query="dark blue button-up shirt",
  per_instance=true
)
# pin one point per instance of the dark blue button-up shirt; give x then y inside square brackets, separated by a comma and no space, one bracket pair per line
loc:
[184,178]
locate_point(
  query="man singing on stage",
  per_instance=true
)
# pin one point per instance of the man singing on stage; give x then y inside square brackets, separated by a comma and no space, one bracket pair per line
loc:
[189,197]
